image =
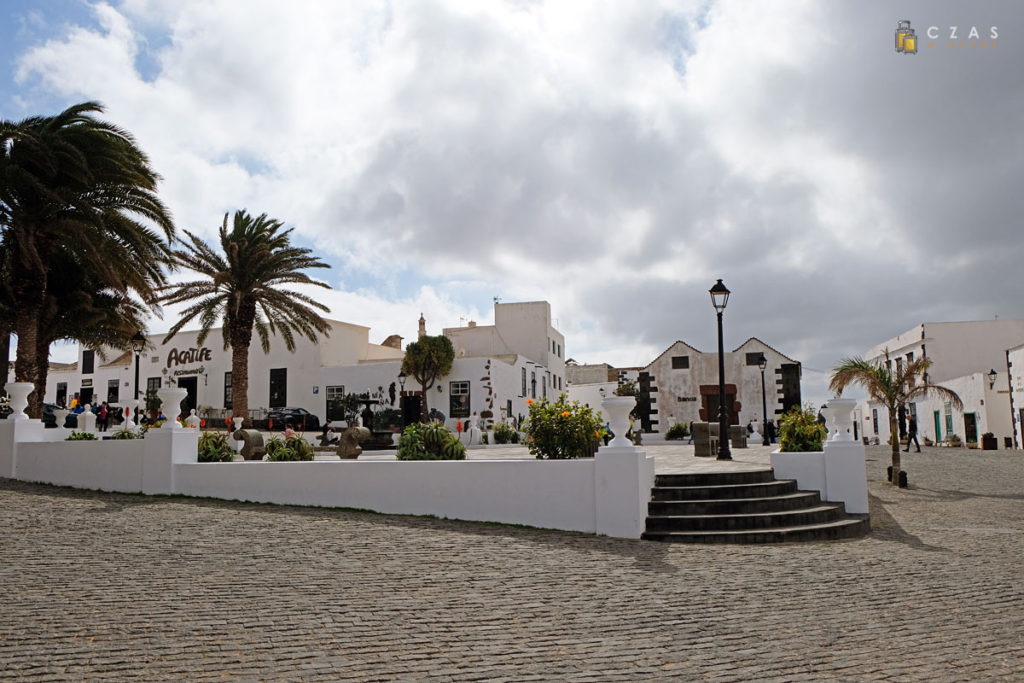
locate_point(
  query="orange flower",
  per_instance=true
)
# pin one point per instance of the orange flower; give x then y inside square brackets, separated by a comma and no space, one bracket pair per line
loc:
[565,413]
[529,401]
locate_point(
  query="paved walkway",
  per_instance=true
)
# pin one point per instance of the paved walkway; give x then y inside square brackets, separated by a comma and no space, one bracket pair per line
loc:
[96,585]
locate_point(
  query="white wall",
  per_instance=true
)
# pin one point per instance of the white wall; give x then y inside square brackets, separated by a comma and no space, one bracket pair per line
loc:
[607,494]
[956,349]
[990,405]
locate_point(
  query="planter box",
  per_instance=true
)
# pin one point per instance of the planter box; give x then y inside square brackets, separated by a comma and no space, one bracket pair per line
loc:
[989,443]
[839,473]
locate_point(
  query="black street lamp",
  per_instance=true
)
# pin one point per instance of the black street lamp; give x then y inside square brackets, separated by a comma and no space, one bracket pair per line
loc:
[719,298]
[762,363]
[138,343]
[401,380]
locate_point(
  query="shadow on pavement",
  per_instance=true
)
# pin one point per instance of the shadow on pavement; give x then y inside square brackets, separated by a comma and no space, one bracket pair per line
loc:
[884,527]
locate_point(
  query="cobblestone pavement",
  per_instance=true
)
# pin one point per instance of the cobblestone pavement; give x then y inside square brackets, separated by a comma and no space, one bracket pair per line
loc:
[113,586]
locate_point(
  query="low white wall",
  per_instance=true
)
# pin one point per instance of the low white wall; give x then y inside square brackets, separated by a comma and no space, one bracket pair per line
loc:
[551,494]
[839,473]
[104,465]
[607,494]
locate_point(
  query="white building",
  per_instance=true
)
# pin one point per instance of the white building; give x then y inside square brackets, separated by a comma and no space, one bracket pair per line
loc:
[681,385]
[497,368]
[276,379]
[1015,387]
[968,357]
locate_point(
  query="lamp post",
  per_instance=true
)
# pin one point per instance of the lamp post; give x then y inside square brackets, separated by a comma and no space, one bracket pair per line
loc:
[138,343]
[992,374]
[763,363]
[719,298]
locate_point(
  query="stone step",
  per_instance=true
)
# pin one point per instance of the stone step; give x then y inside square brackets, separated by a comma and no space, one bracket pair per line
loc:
[851,527]
[789,501]
[820,514]
[724,491]
[715,478]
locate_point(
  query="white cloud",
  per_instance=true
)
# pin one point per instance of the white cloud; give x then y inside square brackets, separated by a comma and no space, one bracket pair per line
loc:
[612,158]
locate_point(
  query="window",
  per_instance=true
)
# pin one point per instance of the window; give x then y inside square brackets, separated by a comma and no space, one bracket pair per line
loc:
[278,387]
[62,393]
[910,357]
[554,347]
[533,384]
[559,353]
[228,393]
[152,384]
[899,366]
[754,358]
[458,399]
[112,390]
[524,382]
[680,362]
[335,408]
[874,419]
[544,385]
[88,361]
[948,409]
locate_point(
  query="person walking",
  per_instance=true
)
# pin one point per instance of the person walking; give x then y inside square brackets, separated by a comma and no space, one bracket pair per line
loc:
[103,417]
[912,434]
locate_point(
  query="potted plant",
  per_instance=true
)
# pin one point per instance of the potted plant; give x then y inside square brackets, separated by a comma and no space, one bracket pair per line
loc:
[801,454]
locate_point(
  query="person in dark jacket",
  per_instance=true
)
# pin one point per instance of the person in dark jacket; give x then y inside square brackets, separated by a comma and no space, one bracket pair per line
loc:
[912,434]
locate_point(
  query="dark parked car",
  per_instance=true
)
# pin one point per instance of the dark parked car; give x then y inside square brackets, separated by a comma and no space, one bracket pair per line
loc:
[301,419]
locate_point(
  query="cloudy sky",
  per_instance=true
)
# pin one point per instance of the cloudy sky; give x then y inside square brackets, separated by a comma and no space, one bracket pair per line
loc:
[613,158]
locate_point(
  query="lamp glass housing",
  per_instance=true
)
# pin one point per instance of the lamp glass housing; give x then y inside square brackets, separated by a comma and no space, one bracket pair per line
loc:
[719,296]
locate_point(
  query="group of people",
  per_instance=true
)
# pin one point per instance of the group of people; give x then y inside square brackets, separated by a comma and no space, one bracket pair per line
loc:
[102,411]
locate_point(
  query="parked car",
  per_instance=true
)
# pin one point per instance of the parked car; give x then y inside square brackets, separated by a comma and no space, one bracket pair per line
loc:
[301,419]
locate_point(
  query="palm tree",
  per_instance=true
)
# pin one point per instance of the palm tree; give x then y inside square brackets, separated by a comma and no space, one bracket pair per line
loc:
[893,391]
[75,187]
[244,289]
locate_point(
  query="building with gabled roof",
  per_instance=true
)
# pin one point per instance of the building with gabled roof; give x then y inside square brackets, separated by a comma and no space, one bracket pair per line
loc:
[681,385]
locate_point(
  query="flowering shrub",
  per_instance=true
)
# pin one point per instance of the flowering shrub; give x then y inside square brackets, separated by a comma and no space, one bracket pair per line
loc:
[562,430]
[799,431]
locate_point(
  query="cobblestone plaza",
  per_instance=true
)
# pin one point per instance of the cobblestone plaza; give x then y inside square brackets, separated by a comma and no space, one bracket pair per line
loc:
[100,585]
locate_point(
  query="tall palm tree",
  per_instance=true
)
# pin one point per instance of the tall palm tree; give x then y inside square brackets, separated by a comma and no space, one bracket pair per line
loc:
[892,390]
[244,289]
[76,187]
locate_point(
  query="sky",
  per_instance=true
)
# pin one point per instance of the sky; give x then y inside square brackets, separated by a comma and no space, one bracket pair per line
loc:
[613,158]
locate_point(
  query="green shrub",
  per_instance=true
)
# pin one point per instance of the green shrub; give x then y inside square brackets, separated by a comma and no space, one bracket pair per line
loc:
[677,431]
[385,419]
[429,442]
[214,447]
[125,434]
[799,431]
[81,436]
[627,388]
[483,438]
[562,430]
[292,449]
[504,434]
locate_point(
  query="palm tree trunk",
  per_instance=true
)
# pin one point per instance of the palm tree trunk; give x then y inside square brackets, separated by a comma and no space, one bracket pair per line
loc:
[26,361]
[240,381]
[895,441]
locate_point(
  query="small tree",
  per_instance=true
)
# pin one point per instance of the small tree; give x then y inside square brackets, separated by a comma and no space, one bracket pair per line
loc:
[425,361]
[892,390]
[627,388]
[562,430]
